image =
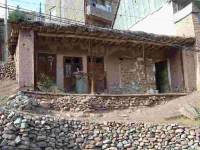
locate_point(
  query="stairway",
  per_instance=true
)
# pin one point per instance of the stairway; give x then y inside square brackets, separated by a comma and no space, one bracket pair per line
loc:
[8,87]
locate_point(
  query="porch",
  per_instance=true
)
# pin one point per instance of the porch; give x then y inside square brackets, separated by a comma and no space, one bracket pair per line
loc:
[85,60]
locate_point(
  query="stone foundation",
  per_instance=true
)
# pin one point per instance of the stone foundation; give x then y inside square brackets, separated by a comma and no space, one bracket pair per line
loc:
[92,103]
[22,132]
[99,102]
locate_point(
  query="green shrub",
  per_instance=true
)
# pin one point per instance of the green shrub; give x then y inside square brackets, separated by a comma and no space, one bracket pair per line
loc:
[17,16]
[46,84]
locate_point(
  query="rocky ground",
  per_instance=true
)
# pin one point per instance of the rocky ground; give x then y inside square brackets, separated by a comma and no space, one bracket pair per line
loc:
[25,123]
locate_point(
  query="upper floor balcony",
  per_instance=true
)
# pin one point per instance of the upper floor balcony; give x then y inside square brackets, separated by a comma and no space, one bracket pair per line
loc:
[100,11]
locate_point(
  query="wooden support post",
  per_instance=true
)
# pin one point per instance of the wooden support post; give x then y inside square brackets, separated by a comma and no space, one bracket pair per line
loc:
[92,67]
[144,58]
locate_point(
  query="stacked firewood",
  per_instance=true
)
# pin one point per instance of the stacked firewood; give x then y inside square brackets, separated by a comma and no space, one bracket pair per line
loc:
[8,71]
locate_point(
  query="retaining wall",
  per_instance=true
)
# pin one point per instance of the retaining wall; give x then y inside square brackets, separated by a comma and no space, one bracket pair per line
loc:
[22,132]
[99,102]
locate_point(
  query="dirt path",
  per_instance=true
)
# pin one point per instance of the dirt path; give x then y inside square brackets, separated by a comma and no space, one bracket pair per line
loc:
[8,87]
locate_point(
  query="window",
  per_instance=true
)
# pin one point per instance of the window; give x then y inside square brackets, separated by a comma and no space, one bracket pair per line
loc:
[72,65]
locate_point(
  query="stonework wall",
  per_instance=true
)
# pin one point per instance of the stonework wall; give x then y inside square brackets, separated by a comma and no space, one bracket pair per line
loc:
[105,103]
[138,73]
[94,103]
[23,132]
[24,59]
[8,71]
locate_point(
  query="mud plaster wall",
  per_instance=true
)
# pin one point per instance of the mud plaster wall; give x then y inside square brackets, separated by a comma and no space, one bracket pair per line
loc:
[196,22]
[189,70]
[112,72]
[24,59]
[125,68]
[189,27]
[176,70]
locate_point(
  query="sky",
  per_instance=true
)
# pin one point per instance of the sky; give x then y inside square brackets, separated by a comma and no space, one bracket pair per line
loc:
[33,5]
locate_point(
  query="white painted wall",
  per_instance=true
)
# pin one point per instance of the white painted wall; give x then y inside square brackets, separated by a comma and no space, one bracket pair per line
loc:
[2,10]
[159,22]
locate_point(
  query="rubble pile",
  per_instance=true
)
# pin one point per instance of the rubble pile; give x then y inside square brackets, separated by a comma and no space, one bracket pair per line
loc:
[22,102]
[18,131]
[100,103]
[8,71]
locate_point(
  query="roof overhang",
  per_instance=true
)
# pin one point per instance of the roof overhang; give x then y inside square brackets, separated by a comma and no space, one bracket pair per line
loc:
[97,34]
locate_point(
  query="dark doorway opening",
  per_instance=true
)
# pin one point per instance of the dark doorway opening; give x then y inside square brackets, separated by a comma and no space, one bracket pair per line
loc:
[72,65]
[162,78]
[46,67]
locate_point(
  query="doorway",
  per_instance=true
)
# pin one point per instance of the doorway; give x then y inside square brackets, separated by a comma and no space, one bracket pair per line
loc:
[96,68]
[46,66]
[72,65]
[162,77]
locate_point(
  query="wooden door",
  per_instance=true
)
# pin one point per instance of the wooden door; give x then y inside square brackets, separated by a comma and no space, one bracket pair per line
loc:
[46,65]
[71,65]
[96,67]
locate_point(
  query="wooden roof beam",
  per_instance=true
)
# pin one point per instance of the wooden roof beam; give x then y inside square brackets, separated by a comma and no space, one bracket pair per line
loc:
[99,38]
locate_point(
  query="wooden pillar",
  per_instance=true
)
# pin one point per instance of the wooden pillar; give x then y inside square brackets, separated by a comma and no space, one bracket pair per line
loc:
[144,58]
[91,54]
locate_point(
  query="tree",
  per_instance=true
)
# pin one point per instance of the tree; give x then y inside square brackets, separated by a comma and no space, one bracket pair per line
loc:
[17,15]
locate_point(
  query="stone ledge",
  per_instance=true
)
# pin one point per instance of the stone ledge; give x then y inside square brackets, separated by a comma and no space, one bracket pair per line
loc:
[92,103]
[102,95]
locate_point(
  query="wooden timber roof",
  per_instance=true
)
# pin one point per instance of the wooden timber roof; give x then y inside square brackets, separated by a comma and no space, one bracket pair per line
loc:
[96,33]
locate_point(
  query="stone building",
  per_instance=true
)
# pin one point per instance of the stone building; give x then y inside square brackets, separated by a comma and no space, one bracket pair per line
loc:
[95,12]
[84,59]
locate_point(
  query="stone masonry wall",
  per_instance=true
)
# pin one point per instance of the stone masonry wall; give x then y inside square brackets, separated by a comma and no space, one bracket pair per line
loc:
[8,71]
[23,132]
[133,74]
[97,102]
